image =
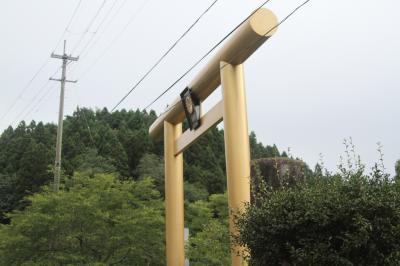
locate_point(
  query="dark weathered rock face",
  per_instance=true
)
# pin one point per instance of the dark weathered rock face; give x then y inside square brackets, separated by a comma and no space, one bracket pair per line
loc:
[274,173]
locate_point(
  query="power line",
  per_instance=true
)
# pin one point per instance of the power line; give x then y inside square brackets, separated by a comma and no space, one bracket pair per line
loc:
[66,30]
[215,46]
[42,66]
[109,22]
[83,52]
[42,88]
[68,25]
[89,26]
[98,28]
[24,89]
[204,56]
[110,44]
[80,111]
[51,90]
[164,55]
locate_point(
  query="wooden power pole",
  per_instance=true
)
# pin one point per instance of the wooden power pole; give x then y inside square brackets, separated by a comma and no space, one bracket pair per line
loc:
[57,166]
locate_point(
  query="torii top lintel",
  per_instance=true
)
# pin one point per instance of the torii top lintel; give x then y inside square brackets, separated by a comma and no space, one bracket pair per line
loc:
[261,25]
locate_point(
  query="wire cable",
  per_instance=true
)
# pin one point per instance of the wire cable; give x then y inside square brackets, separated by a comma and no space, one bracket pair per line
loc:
[33,99]
[80,111]
[204,56]
[81,53]
[49,89]
[76,46]
[42,66]
[109,23]
[14,102]
[215,46]
[89,26]
[113,41]
[164,55]
[89,45]
[66,30]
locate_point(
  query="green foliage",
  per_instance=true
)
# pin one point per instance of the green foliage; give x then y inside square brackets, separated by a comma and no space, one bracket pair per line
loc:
[97,141]
[195,192]
[397,168]
[258,150]
[93,221]
[208,225]
[197,215]
[205,162]
[218,203]
[152,166]
[92,163]
[346,219]
[7,196]
[210,246]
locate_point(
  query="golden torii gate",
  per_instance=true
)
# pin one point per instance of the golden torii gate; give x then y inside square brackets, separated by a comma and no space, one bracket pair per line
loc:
[225,69]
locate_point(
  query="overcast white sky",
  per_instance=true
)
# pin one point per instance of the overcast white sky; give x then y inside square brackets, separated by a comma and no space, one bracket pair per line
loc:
[330,72]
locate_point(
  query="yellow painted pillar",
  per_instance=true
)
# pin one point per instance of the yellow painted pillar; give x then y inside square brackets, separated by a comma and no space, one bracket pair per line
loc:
[237,147]
[174,205]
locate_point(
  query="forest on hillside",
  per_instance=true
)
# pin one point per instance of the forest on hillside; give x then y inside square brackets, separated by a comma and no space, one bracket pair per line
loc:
[110,207]
[97,141]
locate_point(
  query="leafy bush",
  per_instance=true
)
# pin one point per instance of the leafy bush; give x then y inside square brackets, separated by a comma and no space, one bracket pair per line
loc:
[210,246]
[345,219]
[93,221]
[208,222]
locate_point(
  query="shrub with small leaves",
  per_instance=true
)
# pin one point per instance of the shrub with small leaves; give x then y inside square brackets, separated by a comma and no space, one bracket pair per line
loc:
[331,220]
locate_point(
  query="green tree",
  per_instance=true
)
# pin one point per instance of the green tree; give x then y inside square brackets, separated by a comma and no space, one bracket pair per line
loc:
[197,215]
[397,168]
[210,246]
[335,220]
[208,222]
[93,221]
[195,192]
[99,141]
[92,163]
[258,150]
[33,168]
[8,196]
[151,165]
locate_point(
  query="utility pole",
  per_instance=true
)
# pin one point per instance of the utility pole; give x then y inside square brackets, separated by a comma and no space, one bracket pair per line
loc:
[57,167]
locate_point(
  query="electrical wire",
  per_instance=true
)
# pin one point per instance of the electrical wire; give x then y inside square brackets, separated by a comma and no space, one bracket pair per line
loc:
[82,52]
[23,116]
[165,54]
[87,126]
[42,66]
[89,26]
[113,41]
[14,102]
[31,103]
[66,30]
[205,55]
[215,46]
[88,47]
